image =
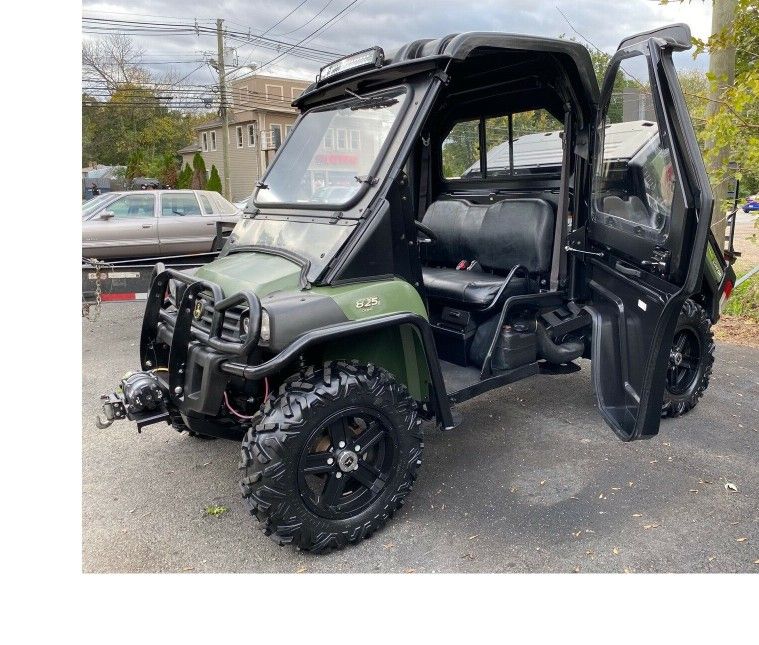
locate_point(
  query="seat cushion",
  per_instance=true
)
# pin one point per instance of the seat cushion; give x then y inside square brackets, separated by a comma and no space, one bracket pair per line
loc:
[470,287]
[499,235]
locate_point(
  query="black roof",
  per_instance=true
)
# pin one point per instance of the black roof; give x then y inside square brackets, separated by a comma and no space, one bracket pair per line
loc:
[458,47]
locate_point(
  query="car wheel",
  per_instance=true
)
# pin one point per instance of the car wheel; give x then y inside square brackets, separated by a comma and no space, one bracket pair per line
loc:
[690,361]
[332,457]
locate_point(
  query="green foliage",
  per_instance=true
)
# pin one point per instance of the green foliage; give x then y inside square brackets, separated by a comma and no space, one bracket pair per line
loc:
[198,172]
[734,126]
[134,121]
[744,301]
[214,181]
[215,511]
[184,180]
[135,166]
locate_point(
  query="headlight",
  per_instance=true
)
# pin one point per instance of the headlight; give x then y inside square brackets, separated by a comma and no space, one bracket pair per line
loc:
[265,334]
[265,327]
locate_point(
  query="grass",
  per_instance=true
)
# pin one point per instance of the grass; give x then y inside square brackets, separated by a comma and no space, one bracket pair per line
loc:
[744,301]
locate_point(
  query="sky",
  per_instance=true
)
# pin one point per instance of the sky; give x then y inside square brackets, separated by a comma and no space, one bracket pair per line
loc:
[388,23]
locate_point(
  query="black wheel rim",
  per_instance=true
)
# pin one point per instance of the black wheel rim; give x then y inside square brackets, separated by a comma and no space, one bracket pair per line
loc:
[684,362]
[347,463]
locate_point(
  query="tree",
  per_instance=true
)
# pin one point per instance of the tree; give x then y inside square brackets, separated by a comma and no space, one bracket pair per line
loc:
[198,172]
[125,109]
[214,181]
[135,166]
[184,180]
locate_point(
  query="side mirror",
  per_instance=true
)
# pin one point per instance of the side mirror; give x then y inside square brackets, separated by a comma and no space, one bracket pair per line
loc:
[107,215]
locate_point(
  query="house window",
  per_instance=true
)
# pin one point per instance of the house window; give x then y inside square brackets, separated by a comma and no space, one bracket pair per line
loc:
[342,139]
[295,92]
[251,135]
[204,141]
[355,139]
[329,139]
[275,93]
[213,140]
[238,131]
[276,135]
[287,129]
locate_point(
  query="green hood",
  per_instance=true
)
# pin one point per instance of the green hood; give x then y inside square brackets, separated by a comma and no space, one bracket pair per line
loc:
[260,272]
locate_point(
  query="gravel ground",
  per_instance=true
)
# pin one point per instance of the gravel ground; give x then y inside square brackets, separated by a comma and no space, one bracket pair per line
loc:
[532,481]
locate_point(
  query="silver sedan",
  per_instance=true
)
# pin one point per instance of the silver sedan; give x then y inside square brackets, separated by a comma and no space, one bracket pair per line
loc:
[150,223]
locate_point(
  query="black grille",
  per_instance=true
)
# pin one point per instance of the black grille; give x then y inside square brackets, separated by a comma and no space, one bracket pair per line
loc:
[231,328]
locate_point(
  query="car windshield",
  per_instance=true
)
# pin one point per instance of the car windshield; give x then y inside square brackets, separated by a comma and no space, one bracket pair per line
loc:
[331,152]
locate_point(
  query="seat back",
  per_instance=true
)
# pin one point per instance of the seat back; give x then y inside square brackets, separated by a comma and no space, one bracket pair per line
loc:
[499,236]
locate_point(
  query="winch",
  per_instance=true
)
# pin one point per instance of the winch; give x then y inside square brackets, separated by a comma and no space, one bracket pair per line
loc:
[140,397]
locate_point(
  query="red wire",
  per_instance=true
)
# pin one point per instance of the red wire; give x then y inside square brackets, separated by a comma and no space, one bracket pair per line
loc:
[243,416]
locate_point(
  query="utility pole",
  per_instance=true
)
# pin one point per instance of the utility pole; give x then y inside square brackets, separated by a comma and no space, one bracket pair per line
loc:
[722,69]
[224,116]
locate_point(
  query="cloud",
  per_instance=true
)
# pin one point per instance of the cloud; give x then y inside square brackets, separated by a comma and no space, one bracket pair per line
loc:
[390,23]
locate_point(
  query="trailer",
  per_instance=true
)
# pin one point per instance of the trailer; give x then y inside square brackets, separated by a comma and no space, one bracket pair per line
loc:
[129,279]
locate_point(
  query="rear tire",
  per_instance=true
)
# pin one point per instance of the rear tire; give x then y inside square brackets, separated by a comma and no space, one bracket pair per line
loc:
[691,360]
[307,477]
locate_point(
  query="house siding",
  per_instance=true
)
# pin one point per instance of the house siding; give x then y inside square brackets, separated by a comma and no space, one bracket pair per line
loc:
[250,105]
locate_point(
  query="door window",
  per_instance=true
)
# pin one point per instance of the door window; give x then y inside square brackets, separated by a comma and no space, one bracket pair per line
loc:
[173,204]
[635,180]
[132,206]
[207,206]
[461,151]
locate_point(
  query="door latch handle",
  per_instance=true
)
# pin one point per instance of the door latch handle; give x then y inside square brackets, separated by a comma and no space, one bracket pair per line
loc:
[569,249]
[147,226]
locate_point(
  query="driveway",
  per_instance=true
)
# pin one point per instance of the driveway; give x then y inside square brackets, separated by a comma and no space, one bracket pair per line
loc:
[532,481]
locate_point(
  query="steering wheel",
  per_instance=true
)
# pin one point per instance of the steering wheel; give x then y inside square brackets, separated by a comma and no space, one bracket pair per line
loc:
[430,237]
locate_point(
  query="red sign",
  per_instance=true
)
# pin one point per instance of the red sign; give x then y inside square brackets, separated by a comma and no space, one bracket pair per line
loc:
[336,159]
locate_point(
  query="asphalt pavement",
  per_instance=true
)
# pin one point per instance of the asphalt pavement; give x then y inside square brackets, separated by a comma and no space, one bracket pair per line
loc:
[532,481]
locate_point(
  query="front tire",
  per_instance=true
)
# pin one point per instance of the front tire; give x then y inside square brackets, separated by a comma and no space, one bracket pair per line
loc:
[691,360]
[332,456]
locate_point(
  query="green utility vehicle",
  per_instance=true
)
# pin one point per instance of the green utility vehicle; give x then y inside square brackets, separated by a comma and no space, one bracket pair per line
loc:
[408,249]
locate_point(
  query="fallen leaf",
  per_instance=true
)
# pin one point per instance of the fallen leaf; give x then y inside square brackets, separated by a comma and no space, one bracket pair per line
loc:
[693,490]
[650,526]
[756,561]
[741,539]
[301,570]
[589,552]
[615,551]
[731,486]
[409,570]
[615,488]
[630,484]
[542,482]
[577,534]
[472,537]
[188,568]
[637,514]
[216,511]
[628,570]
[654,461]
[577,569]
[601,496]
[389,545]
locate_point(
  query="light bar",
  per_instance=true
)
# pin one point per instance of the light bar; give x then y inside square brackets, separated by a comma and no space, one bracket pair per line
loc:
[374,56]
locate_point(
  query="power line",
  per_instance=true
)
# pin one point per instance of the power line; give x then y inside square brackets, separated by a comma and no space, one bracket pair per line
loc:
[313,33]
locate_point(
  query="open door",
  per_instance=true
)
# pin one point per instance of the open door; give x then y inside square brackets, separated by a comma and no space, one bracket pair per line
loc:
[650,214]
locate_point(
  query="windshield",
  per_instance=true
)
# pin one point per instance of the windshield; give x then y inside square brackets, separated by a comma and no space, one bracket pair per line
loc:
[331,152]
[317,242]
